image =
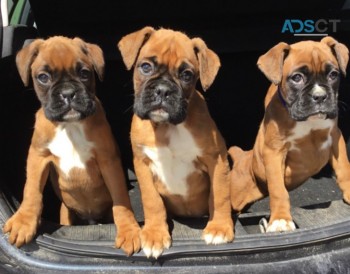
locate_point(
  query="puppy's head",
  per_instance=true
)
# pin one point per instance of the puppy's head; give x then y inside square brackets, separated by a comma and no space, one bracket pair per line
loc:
[167,65]
[62,71]
[308,74]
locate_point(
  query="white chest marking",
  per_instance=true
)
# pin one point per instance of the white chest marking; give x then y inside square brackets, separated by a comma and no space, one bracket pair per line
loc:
[173,163]
[303,128]
[71,147]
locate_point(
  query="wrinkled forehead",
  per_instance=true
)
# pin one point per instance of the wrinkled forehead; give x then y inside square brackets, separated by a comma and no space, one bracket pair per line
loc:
[169,48]
[315,56]
[60,56]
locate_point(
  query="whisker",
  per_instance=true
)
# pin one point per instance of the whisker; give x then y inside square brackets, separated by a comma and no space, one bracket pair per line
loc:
[128,109]
[343,105]
[131,106]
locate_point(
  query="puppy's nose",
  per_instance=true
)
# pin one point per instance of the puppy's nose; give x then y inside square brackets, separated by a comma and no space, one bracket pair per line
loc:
[319,95]
[319,98]
[162,91]
[68,94]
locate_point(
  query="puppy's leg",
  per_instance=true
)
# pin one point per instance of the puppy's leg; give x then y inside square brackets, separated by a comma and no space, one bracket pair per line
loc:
[340,163]
[66,215]
[244,189]
[155,235]
[22,226]
[281,218]
[127,228]
[220,226]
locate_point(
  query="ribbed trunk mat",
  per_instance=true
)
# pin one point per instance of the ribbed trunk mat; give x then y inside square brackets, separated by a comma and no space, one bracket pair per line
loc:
[323,214]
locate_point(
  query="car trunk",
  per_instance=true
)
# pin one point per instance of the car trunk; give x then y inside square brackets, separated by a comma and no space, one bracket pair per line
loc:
[239,33]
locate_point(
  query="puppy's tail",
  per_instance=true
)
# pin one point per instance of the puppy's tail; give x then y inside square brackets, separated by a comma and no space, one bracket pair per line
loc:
[236,153]
[244,188]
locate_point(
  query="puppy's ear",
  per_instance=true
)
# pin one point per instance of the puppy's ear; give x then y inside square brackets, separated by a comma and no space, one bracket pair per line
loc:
[339,50]
[271,63]
[24,59]
[209,63]
[95,54]
[131,44]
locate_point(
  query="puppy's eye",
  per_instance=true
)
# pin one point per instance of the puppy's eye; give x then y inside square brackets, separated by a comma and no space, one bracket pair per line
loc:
[146,68]
[84,74]
[333,75]
[297,78]
[43,78]
[186,76]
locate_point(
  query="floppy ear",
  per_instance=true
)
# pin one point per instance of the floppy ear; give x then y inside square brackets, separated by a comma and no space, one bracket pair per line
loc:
[271,63]
[95,54]
[339,50]
[131,44]
[209,63]
[25,57]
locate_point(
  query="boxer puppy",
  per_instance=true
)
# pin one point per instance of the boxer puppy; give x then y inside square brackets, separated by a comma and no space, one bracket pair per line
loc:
[180,157]
[72,141]
[299,132]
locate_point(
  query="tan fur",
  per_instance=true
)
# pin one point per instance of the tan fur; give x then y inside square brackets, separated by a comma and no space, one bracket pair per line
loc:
[208,191]
[91,193]
[270,168]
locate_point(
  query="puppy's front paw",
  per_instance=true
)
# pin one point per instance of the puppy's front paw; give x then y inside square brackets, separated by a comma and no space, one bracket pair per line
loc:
[154,240]
[346,196]
[128,238]
[280,226]
[22,228]
[218,232]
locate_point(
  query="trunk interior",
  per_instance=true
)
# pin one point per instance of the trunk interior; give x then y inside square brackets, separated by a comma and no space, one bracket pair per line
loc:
[239,34]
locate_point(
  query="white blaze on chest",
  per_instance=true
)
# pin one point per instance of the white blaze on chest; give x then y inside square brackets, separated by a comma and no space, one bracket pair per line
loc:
[173,163]
[304,128]
[71,147]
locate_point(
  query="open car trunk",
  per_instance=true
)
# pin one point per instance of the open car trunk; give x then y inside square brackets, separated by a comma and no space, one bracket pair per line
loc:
[239,33]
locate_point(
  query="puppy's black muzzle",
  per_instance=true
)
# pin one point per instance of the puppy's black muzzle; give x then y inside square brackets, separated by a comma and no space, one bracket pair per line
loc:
[68,97]
[161,94]
[315,103]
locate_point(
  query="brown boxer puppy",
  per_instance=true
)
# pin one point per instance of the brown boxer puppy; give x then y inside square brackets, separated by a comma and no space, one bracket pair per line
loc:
[180,157]
[299,132]
[72,141]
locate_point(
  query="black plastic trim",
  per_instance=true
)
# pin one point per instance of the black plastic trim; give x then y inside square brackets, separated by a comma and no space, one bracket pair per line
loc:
[242,244]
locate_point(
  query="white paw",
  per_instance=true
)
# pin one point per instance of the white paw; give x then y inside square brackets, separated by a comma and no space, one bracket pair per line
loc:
[218,239]
[154,251]
[281,225]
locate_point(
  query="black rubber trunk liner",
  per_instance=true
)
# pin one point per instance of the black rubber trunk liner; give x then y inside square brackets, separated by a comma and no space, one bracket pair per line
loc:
[316,224]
